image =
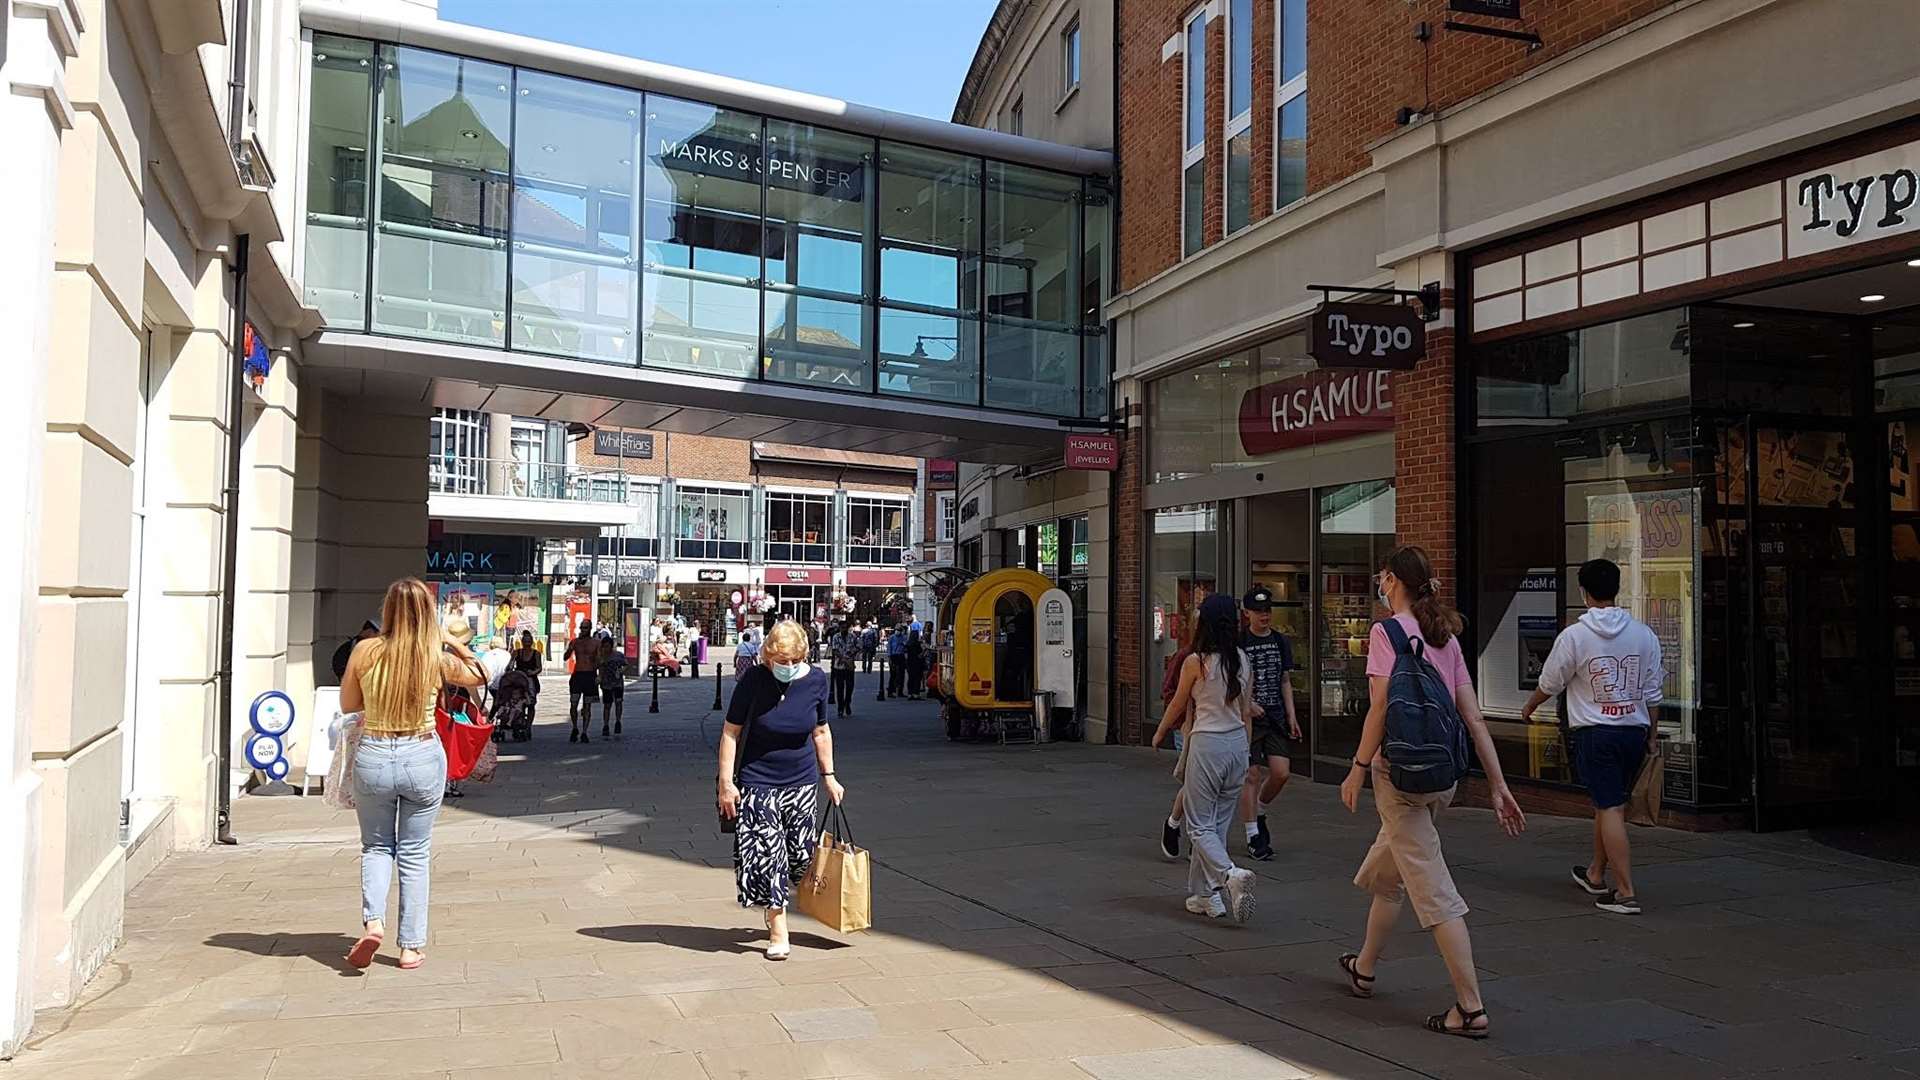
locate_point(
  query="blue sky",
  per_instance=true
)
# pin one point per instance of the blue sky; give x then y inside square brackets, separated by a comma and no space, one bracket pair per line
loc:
[905,55]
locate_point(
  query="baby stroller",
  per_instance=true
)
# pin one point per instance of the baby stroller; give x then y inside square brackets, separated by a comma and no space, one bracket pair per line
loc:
[513,707]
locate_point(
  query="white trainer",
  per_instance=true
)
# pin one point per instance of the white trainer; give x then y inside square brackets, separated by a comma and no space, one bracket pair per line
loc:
[1240,893]
[1209,905]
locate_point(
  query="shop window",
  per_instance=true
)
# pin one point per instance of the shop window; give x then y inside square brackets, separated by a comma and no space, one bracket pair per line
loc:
[457,452]
[1193,156]
[876,531]
[797,528]
[1553,378]
[1355,524]
[1194,417]
[336,251]
[710,523]
[1626,492]
[1183,570]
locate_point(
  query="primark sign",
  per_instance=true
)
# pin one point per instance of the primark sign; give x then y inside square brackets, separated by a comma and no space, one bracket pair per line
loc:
[713,155]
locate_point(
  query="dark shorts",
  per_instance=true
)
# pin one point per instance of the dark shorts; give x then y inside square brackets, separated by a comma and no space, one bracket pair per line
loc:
[609,691]
[1608,759]
[1268,741]
[583,683]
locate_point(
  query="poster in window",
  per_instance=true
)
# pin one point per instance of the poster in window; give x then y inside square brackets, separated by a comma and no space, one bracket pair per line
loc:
[1804,468]
[1536,635]
[1901,481]
[1680,784]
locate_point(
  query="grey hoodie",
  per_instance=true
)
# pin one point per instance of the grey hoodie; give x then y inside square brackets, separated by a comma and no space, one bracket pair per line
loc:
[1609,665]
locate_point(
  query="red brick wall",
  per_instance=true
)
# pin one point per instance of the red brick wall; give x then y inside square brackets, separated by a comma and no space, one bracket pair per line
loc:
[1364,65]
[1423,455]
[693,458]
[1129,561]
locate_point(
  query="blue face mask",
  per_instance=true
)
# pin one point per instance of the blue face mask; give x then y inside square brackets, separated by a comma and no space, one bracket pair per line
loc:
[786,673]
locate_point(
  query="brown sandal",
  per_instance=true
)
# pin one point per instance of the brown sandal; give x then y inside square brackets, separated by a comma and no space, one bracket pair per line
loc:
[1361,986]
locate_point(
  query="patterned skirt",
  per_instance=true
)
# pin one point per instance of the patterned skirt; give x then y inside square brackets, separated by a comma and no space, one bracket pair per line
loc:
[774,841]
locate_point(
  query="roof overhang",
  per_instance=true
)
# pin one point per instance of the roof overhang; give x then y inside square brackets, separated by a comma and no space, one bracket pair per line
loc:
[399,24]
[455,376]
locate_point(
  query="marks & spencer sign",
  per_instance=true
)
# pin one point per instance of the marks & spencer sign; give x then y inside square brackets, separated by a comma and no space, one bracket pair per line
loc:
[1864,199]
[1348,335]
[1318,407]
[712,155]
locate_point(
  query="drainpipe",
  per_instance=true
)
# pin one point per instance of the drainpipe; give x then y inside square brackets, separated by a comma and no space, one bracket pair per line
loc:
[1116,477]
[237,89]
[230,557]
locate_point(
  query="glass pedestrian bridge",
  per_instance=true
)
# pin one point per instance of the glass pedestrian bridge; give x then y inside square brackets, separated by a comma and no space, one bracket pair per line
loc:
[492,210]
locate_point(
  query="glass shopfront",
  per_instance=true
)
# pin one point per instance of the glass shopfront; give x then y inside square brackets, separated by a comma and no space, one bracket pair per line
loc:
[1746,463]
[1290,468]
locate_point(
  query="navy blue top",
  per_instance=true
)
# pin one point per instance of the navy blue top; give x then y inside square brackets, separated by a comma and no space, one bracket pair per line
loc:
[777,747]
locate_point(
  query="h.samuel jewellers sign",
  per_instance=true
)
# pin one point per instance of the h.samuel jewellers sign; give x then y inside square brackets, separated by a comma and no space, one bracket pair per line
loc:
[1317,407]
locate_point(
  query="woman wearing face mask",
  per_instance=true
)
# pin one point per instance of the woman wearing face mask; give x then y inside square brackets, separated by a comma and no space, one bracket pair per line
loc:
[1405,862]
[775,749]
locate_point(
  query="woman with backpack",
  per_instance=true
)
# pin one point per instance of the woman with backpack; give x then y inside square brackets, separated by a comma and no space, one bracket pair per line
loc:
[1422,715]
[1217,681]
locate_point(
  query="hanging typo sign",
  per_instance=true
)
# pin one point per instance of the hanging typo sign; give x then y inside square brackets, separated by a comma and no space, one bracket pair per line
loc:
[1388,336]
[714,155]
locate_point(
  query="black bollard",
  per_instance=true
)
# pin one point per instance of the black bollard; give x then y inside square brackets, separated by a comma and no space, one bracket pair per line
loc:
[716,686]
[655,706]
[882,695]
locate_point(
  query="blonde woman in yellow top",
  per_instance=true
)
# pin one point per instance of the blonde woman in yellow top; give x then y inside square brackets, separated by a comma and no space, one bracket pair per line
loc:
[400,768]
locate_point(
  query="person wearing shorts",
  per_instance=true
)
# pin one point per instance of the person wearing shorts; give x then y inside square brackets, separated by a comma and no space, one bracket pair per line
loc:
[1609,665]
[613,687]
[583,686]
[1275,728]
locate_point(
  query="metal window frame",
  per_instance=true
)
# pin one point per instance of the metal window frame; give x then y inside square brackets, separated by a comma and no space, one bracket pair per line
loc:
[1070,56]
[1237,123]
[1193,145]
[1284,92]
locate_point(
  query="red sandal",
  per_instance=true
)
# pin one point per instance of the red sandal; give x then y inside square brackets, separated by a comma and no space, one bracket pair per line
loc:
[361,955]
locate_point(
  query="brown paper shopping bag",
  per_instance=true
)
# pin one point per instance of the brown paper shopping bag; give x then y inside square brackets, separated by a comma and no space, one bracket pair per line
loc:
[837,891]
[1643,803]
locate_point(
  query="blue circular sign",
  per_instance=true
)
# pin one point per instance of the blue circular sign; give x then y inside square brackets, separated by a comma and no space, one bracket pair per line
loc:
[272,713]
[264,750]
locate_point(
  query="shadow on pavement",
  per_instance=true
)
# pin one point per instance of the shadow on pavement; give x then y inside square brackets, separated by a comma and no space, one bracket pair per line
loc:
[329,950]
[705,939]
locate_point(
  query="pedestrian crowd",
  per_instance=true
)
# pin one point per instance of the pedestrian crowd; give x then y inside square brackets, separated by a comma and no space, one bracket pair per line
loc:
[1229,708]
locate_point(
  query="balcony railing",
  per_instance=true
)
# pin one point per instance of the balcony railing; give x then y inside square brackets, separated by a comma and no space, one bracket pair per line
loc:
[511,478]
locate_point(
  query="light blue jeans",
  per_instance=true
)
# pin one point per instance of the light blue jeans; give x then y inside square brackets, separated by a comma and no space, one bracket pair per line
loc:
[397,786]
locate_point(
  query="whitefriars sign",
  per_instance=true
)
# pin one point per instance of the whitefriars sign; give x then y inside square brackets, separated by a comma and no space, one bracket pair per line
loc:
[1855,201]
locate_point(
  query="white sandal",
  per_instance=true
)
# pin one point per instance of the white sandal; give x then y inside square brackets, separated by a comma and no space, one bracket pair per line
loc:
[780,951]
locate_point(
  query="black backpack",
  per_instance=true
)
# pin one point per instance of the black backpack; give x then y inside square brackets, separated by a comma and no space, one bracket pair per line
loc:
[1426,742]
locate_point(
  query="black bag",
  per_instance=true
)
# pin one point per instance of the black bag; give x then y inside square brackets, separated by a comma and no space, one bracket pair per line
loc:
[1426,742]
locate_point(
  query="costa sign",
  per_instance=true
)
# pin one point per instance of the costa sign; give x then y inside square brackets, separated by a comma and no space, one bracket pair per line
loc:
[1317,407]
[1389,336]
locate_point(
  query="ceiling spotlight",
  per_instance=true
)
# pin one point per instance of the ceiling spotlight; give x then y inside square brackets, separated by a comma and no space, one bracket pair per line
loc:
[1743,326]
[469,133]
[1913,262]
[1873,298]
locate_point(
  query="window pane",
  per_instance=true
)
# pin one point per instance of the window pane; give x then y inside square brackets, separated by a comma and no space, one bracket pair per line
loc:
[1182,563]
[797,528]
[336,272]
[929,356]
[1033,369]
[816,225]
[1293,39]
[1096,373]
[811,339]
[1290,182]
[1193,203]
[876,531]
[701,311]
[1030,256]
[1240,64]
[441,261]
[1239,180]
[1093,262]
[1637,361]
[710,524]
[576,223]
[1196,97]
[929,227]
[1355,532]
[1071,61]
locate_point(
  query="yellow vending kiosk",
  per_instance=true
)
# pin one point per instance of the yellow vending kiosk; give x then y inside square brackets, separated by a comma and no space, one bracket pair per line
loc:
[998,656]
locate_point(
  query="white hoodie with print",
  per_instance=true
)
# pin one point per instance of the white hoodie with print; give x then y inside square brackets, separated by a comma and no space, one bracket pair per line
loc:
[1609,665]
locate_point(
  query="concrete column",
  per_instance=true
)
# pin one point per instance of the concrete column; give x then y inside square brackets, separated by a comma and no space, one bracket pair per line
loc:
[33,113]
[499,452]
[371,512]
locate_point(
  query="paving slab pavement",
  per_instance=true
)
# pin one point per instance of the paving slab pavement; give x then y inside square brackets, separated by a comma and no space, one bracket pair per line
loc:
[584,925]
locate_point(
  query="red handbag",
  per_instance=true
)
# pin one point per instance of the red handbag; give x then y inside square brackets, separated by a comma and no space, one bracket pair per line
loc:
[465,742]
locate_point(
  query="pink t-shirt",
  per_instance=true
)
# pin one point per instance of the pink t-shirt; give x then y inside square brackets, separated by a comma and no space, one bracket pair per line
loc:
[1447,660]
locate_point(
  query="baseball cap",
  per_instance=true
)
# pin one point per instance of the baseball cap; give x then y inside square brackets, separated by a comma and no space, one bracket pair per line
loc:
[1218,606]
[1258,598]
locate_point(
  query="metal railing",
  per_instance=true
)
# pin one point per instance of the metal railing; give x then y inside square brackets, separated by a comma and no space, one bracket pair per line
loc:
[511,478]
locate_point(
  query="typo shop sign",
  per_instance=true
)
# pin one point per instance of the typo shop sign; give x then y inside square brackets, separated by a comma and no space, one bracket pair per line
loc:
[1389,336]
[1318,407]
[1864,199]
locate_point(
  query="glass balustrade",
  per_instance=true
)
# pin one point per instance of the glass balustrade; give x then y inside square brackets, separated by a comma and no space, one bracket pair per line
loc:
[512,478]
[479,203]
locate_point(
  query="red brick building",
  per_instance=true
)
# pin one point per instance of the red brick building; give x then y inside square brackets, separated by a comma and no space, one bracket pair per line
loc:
[1588,191]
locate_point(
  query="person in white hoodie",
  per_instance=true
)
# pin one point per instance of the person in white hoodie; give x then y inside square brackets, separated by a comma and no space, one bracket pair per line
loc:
[1608,663]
